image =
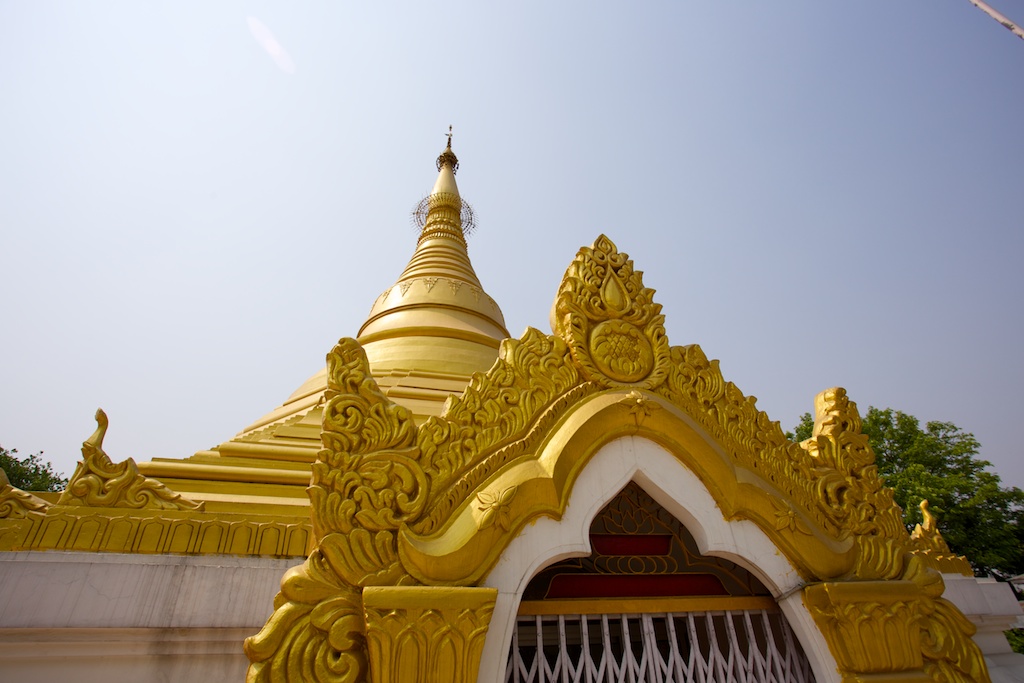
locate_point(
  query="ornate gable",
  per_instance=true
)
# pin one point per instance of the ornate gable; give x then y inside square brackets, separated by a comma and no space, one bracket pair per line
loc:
[405,513]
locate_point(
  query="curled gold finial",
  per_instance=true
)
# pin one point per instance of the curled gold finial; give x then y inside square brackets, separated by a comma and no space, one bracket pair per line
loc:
[930,525]
[448,156]
[96,440]
[99,482]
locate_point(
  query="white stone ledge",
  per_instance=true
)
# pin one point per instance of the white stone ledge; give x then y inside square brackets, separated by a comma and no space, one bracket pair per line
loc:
[123,655]
[64,590]
[50,643]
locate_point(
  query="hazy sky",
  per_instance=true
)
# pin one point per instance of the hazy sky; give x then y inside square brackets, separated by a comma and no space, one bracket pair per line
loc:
[198,199]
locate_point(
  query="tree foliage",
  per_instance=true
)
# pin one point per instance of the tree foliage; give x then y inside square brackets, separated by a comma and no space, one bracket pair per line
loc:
[31,473]
[978,517]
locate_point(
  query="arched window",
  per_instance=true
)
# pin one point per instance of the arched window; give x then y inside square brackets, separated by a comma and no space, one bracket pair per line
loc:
[646,607]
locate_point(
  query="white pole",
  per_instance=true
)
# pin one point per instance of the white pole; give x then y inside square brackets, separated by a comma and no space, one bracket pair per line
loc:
[1016,30]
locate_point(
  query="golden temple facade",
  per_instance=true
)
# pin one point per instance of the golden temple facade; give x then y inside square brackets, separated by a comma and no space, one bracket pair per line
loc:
[443,502]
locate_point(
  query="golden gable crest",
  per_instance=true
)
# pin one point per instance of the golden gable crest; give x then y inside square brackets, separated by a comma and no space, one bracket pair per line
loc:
[613,327]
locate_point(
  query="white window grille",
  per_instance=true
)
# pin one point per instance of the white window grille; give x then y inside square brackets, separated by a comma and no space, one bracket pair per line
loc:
[745,646]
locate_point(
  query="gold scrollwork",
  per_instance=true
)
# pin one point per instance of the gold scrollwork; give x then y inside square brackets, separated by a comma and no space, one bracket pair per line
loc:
[849,490]
[98,482]
[831,477]
[494,418]
[18,504]
[897,627]
[950,653]
[609,320]
[316,632]
[367,482]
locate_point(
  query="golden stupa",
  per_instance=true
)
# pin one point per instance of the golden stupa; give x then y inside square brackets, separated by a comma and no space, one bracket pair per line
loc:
[443,502]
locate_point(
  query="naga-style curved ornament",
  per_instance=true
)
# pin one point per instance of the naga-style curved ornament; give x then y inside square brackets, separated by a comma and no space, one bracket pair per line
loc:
[98,482]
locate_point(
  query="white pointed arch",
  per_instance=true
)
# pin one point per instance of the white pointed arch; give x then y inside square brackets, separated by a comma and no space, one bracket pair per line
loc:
[682,494]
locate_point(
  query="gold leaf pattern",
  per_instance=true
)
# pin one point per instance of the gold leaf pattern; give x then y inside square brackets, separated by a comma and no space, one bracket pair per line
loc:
[786,518]
[639,406]
[445,627]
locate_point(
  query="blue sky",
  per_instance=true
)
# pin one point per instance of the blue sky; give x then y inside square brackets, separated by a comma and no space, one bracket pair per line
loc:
[198,199]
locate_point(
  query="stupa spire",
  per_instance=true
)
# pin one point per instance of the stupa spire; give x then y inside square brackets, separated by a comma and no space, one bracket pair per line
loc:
[436,317]
[445,219]
[424,337]
[442,211]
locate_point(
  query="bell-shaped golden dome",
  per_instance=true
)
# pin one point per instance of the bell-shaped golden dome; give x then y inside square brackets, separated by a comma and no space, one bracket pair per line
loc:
[437,317]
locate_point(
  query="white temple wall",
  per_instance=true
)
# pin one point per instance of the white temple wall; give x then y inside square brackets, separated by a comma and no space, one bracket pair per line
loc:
[109,617]
[993,609]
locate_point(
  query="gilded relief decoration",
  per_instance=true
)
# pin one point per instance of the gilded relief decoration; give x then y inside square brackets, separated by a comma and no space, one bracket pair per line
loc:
[857,616]
[500,417]
[18,504]
[422,635]
[898,627]
[110,507]
[367,481]
[397,505]
[98,482]
[609,319]
[929,544]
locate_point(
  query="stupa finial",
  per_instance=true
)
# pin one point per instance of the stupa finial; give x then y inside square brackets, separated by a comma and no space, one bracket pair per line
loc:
[448,156]
[443,211]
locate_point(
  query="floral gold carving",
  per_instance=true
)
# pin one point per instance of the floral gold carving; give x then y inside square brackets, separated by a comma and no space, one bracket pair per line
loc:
[18,504]
[831,478]
[367,481]
[421,634]
[639,406]
[495,508]
[788,519]
[610,321]
[950,653]
[98,482]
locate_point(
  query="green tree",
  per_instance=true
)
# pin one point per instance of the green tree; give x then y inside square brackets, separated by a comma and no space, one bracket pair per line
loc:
[978,517]
[31,473]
